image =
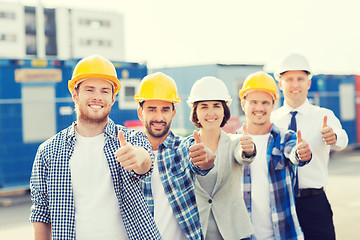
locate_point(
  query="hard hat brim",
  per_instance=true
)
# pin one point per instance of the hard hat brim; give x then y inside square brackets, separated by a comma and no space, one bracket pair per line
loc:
[81,77]
[139,99]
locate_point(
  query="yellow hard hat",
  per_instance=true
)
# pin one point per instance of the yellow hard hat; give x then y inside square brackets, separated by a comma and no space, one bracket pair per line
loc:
[157,86]
[259,81]
[94,66]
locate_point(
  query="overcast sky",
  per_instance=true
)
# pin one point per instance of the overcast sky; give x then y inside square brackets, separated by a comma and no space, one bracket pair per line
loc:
[187,32]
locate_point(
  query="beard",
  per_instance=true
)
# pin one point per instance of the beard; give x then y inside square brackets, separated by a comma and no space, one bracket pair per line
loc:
[257,122]
[157,134]
[85,117]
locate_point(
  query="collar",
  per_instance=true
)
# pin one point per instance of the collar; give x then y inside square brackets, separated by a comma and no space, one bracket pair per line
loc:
[223,136]
[170,141]
[274,131]
[302,109]
[109,131]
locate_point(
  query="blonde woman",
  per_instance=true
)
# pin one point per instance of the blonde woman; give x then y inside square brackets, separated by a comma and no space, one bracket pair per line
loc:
[223,214]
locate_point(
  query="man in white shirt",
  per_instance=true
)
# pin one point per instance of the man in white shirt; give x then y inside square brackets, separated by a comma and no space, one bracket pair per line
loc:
[322,130]
[269,180]
[85,179]
[170,190]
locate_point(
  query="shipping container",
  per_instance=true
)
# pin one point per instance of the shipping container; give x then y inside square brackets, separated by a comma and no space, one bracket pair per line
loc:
[35,104]
[339,93]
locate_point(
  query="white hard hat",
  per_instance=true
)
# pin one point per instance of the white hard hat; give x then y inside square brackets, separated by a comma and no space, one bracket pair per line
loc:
[294,62]
[209,89]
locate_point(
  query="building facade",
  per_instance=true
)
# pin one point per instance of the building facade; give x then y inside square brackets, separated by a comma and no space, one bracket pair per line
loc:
[61,33]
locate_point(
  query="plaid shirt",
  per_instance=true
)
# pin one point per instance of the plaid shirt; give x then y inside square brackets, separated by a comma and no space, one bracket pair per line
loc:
[51,189]
[281,177]
[177,174]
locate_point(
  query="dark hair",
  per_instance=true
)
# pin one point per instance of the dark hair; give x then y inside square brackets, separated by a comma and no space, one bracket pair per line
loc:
[273,99]
[141,104]
[194,119]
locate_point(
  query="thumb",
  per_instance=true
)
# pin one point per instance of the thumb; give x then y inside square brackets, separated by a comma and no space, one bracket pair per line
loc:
[245,131]
[298,135]
[122,138]
[324,122]
[196,137]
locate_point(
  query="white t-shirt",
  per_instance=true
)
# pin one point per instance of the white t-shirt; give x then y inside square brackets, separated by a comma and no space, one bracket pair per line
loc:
[97,213]
[164,216]
[260,193]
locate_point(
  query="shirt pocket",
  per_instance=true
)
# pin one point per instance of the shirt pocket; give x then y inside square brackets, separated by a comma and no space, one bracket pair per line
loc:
[183,179]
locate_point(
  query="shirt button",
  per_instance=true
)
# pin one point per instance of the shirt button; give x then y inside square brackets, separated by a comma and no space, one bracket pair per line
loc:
[210,201]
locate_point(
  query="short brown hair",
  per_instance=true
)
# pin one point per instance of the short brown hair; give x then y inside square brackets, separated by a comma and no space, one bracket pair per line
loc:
[141,105]
[194,119]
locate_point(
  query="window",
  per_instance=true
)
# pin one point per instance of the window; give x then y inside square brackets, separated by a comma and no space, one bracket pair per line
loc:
[31,45]
[347,103]
[30,20]
[30,29]
[95,42]
[94,23]
[7,37]
[129,88]
[7,15]
[50,32]
[39,114]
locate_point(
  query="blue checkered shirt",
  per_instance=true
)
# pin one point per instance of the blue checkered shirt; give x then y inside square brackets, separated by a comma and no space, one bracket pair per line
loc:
[282,181]
[51,190]
[177,174]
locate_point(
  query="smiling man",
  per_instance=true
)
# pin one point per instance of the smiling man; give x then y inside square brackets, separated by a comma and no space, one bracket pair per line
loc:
[269,180]
[323,131]
[85,179]
[170,189]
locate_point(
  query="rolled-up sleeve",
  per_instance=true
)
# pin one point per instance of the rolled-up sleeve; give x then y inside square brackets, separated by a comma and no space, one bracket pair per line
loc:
[40,211]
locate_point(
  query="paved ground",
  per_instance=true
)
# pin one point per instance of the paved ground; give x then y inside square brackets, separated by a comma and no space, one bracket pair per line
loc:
[343,192]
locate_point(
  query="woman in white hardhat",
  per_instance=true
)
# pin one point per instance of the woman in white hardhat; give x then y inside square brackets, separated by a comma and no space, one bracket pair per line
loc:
[223,214]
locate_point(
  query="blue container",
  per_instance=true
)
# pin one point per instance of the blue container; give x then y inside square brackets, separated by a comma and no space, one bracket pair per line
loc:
[337,92]
[35,104]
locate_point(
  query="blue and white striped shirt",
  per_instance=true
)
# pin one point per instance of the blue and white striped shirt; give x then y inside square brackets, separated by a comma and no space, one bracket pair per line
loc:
[51,189]
[282,181]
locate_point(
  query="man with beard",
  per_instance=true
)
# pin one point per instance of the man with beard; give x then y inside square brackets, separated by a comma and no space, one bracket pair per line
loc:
[170,189]
[269,180]
[80,187]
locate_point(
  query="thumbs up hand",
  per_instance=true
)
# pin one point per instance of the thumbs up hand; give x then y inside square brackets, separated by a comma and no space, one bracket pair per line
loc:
[132,157]
[196,137]
[327,133]
[201,155]
[246,143]
[302,148]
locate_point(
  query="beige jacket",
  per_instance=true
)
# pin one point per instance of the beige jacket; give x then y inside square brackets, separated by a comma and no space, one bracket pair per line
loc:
[226,201]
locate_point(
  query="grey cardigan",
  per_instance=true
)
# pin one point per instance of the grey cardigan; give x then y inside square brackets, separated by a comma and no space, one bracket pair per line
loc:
[227,202]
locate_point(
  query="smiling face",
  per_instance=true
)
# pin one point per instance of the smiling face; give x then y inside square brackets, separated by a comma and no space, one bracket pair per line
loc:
[93,99]
[295,86]
[210,114]
[258,106]
[156,116]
